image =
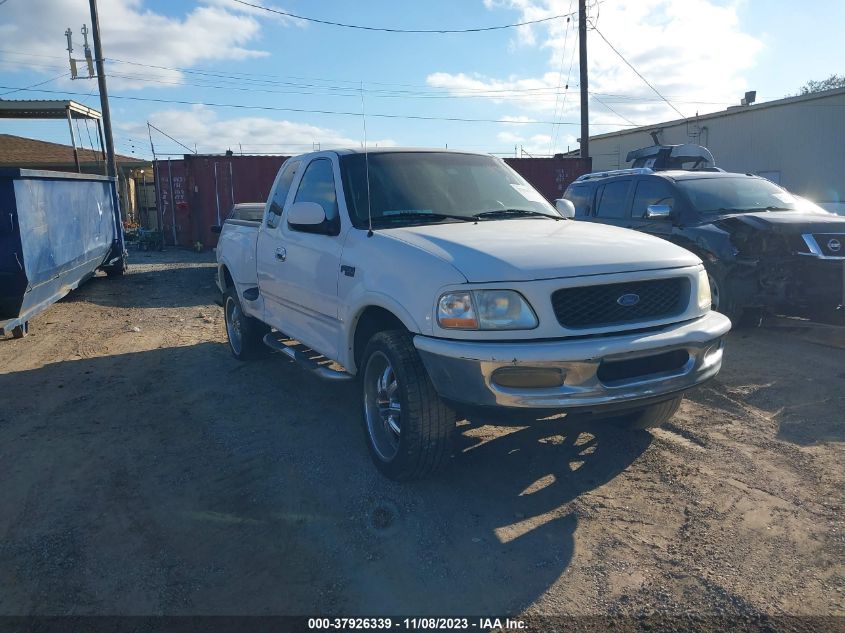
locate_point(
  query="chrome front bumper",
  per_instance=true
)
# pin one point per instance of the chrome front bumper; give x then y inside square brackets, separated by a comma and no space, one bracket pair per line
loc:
[462,371]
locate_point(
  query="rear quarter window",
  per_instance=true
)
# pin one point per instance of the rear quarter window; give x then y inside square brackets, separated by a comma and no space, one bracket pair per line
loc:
[252,213]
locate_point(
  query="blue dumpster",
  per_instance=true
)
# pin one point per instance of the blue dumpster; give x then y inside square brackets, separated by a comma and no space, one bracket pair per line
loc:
[56,230]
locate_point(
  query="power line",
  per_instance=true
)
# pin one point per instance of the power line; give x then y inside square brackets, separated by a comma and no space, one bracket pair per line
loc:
[33,85]
[170,137]
[431,92]
[354,89]
[395,30]
[268,78]
[241,106]
[624,118]
[560,80]
[646,81]
[556,129]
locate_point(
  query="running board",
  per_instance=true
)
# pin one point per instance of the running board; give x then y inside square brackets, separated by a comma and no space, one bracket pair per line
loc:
[273,340]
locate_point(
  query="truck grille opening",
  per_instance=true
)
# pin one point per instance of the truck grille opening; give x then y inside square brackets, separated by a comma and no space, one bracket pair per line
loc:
[613,304]
[613,371]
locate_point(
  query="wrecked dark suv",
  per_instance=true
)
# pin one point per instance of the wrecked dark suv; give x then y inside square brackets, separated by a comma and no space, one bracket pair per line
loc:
[763,248]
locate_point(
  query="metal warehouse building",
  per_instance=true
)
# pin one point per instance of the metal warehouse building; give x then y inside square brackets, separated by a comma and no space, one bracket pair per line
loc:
[797,142]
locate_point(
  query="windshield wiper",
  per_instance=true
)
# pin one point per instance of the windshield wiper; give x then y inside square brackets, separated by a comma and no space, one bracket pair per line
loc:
[514,213]
[752,209]
[416,216]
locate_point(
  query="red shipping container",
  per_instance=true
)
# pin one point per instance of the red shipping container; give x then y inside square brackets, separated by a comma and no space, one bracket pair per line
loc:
[550,176]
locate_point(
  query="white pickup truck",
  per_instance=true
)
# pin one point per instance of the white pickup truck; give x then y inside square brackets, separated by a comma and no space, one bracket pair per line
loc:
[444,282]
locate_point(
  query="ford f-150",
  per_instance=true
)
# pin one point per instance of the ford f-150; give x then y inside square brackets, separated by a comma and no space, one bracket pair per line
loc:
[443,282]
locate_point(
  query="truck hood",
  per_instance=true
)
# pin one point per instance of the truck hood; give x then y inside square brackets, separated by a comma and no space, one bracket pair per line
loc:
[531,249]
[789,222]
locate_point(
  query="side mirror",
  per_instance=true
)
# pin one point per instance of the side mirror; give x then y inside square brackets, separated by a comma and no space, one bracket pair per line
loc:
[305,215]
[216,229]
[658,211]
[565,207]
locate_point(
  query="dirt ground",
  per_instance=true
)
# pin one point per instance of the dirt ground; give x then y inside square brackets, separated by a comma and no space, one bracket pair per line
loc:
[143,470]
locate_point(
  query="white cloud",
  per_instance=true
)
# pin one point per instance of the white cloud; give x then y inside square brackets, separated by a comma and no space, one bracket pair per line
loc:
[213,30]
[694,52]
[211,134]
[517,120]
[534,144]
[509,137]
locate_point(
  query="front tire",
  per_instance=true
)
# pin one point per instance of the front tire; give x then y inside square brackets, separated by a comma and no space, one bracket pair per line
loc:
[20,331]
[408,426]
[650,417]
[244,333]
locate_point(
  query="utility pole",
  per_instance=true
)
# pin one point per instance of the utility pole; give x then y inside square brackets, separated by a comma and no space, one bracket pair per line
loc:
[104,93]
[118,253]
[582,63]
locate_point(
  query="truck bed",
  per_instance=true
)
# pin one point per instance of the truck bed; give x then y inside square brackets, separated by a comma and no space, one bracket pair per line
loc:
[240,237]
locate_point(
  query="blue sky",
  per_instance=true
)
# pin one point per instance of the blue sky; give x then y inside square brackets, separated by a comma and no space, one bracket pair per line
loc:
[700,54]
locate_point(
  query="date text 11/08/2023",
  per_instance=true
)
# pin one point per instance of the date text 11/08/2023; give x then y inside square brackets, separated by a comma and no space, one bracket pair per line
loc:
[424,623]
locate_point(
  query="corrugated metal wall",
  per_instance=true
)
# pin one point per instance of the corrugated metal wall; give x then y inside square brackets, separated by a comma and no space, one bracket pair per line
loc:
[799,144]
[550,176]
[204,188]
[215,183]
[170,176]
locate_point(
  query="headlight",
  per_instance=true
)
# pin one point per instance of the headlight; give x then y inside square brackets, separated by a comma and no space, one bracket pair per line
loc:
[485,310]
[704,299]
[455,310]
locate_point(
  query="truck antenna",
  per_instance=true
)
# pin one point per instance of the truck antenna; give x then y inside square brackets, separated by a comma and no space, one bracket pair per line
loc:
[367,166]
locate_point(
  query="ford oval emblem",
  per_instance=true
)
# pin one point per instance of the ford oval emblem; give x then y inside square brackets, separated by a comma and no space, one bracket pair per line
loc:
[834,245]
[628,300]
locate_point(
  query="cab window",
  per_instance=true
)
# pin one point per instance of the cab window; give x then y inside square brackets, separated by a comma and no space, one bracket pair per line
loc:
[280,194]
[247,212]
[652,191]
[317,185]
[611,199]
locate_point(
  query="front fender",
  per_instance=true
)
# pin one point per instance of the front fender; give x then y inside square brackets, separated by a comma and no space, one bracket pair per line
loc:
[388,273]
[356,308]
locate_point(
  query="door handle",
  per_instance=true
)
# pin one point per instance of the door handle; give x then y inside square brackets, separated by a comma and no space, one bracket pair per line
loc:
[281,254]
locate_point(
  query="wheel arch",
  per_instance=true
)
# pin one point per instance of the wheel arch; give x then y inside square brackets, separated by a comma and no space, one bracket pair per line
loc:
[369,321]
[224,277]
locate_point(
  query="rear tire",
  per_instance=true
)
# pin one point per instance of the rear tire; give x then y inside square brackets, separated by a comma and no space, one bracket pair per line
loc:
[20,331]
[408,426]
[650,417]
[244,333]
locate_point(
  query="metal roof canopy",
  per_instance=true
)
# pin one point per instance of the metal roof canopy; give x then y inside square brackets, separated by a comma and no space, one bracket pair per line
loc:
[46,109]
[55,109]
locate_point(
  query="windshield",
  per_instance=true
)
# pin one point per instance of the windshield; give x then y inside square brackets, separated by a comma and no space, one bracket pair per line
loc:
[736,195]
[424,187]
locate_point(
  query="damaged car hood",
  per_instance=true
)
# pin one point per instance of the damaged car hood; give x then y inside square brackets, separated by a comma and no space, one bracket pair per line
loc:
[791,222]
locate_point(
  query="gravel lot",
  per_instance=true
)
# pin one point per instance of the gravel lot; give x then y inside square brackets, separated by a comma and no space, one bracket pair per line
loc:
[145,471]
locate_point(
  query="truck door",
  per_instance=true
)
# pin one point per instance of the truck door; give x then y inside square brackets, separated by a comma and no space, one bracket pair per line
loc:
[298,269]
[612,202]
[269,241]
